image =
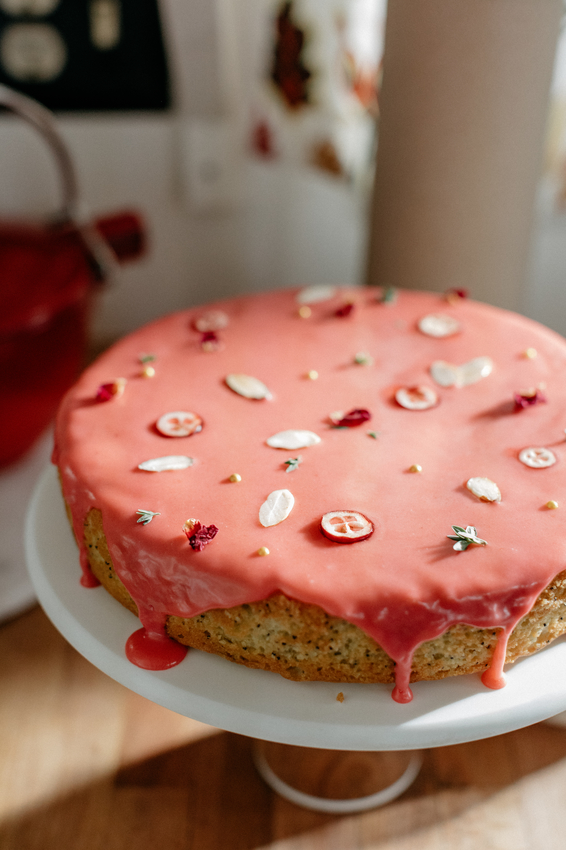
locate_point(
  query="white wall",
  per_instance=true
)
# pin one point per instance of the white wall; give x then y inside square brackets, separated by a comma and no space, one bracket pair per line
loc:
[285,227]
[288,226]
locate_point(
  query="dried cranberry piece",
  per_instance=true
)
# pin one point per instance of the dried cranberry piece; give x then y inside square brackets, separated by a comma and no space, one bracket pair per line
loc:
[459,293]
[113,389]
[526,398]
[345,309]
[353,418]
[199,535]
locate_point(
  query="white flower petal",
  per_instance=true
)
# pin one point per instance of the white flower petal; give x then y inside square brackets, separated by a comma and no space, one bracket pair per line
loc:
[167,462]
[474,370]
[276,507]
[485,489]
[247,386]
[439,325]
[449,375]
[212,320]
[445,374]
[293,439]
[313,294]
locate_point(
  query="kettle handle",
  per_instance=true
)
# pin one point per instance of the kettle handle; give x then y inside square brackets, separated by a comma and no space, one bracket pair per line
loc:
[102,256]
[43,121]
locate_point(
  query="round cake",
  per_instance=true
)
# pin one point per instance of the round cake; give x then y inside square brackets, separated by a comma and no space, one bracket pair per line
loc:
[336,484]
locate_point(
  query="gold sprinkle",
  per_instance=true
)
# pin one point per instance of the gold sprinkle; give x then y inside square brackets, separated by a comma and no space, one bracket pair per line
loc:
[235,477]
[452,297]
[531,353]
[263,551]
[416,467]
[312,375]
[340,697]
[148,372]
[551,505]
[305,312]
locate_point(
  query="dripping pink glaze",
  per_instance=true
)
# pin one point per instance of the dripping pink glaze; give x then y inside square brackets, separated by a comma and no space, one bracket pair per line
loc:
[88,579]
[154,651]
[494,676]
[404,584]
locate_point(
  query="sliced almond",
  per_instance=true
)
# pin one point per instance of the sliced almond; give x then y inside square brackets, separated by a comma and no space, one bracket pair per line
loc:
[247,386]
[165,463]
[276,507]
[485,489]
[293,439]
[439,325]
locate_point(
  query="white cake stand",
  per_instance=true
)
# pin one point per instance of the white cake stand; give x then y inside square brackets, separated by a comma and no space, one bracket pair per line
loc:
[17,483]
[267,707]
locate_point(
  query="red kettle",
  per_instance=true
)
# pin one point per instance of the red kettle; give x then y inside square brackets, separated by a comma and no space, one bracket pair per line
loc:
[49,272]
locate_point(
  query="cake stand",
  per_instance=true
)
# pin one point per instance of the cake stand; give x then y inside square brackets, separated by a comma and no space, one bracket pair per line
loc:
[17,482]
[267,707]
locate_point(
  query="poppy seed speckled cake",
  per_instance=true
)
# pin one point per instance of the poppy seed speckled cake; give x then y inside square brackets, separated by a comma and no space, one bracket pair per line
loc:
[335,484]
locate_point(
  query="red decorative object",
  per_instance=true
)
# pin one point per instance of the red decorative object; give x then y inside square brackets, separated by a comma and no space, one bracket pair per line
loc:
[353,418]
[526,398]
[49,273]
[345,309]
[288,70]
[114,389]
[262,140]
[199,535]
[346,526]
[454,294]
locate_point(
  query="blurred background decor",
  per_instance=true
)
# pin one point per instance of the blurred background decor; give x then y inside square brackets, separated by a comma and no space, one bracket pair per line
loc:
[95,55]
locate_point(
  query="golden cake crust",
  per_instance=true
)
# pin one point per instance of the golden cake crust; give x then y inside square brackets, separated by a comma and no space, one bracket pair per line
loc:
[304,643]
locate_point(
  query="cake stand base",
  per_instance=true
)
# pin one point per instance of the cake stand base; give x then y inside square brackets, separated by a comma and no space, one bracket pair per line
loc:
[333,781]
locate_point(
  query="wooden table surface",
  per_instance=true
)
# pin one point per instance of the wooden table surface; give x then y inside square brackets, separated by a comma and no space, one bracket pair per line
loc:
[87,765]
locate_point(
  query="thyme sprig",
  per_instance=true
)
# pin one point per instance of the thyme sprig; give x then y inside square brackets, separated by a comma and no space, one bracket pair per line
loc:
[293,463]
[465,537]
[146,516]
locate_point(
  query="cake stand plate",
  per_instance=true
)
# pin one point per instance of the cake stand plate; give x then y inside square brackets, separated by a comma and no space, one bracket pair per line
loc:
[17,483]
[264,705]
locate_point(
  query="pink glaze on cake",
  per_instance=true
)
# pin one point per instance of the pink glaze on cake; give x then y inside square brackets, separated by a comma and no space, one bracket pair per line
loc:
[403,585]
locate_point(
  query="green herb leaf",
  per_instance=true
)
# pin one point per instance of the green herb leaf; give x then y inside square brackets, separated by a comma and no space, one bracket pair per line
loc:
[465,537]
[389,295]
[146,516]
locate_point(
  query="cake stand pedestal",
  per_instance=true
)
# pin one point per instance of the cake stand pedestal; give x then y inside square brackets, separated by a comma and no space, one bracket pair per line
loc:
[272,709]
[340,780]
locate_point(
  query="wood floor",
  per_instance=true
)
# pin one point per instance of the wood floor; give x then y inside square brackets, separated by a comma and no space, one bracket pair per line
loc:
[87,765]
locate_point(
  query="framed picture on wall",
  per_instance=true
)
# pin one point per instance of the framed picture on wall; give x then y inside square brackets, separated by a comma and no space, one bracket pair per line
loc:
[85,55]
